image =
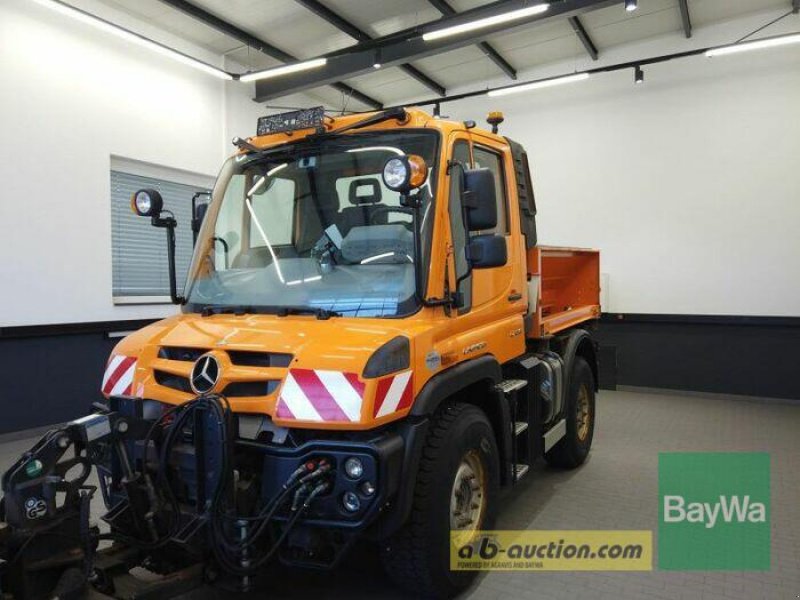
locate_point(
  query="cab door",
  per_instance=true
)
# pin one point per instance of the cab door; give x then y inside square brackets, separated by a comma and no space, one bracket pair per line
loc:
[490,284]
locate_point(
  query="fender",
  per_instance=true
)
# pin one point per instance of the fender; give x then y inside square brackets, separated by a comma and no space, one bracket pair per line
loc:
[415,427]
[445,384]
[579,342]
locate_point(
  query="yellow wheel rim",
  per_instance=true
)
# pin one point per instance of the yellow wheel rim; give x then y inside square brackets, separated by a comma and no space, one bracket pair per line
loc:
[468,497]
[583,413]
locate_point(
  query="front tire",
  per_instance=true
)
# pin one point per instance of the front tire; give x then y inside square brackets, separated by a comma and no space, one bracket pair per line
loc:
[571,451]
[456,488]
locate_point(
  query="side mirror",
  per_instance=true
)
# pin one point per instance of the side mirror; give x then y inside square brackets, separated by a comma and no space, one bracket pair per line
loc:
[147,203]
[480,199]
[487,251]
[198,213]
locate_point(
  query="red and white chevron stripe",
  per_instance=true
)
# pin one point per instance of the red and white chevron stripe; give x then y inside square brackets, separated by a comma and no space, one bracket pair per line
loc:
[394,394]
[325,396]
[333,396]
[118,378]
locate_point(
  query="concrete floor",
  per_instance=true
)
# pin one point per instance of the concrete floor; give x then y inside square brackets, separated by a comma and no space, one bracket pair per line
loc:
[616,489]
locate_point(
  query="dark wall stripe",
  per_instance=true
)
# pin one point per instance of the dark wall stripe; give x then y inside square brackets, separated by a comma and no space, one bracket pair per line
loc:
[50,379]
[52,373]
[701,319]
[103,327]
[751,356]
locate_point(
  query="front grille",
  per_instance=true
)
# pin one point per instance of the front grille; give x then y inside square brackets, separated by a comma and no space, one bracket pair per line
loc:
[241,358]
[176,382]
[179,353]
[247,389]
[259,359]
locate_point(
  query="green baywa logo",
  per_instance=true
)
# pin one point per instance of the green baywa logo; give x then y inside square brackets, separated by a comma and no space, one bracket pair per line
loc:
[714,511]
[729,508]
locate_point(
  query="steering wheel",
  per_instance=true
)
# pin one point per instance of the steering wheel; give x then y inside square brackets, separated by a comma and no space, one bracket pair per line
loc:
[381,210]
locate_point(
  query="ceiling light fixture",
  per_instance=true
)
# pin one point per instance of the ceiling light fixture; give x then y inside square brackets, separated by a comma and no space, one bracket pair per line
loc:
[486,22]
[536,85]
[781,40]
[107,26]
[284,70]
[377,63]
[638,75]
[631,5]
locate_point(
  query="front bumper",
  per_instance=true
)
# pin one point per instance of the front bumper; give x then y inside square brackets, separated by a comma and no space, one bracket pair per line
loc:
[328,522]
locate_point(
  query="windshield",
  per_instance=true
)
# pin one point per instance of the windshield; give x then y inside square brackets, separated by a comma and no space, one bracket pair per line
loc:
[311,227]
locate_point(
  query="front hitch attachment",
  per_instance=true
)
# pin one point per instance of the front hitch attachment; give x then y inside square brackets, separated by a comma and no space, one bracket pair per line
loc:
[45,540]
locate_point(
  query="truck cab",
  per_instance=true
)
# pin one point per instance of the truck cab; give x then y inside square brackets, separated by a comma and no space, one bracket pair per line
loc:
[367,301]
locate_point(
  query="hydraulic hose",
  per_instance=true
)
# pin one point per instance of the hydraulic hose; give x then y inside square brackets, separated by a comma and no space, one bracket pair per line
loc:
[264,559]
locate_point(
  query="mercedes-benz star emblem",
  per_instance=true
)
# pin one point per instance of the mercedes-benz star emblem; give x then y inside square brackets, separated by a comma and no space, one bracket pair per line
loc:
[205,374]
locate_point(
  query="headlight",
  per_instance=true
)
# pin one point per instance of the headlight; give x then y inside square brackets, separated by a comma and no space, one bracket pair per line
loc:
[147,203]
[394,355]
[354,467]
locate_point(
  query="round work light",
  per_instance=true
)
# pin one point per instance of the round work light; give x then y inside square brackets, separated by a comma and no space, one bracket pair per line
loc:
[405,173]
[395,173]
[147,203]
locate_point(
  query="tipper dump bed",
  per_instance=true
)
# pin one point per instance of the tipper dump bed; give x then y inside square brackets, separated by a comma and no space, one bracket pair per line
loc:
[564,288]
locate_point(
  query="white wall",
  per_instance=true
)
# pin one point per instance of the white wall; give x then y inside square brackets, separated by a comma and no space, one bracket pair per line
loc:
[690,183]
[70,97]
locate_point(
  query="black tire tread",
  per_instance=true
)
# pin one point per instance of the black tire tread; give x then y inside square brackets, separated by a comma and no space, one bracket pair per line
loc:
[406,563]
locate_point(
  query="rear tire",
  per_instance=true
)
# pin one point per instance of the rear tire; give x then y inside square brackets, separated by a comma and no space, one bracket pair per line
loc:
[460,447]
[571,451]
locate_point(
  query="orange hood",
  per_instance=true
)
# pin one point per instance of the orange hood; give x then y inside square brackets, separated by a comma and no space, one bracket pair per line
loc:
[301,371]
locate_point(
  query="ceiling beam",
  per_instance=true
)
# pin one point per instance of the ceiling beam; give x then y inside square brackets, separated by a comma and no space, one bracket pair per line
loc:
[687,21]
[407,45]
[260,45]
[796,6]
[583,36]
[488,50]
[360,35]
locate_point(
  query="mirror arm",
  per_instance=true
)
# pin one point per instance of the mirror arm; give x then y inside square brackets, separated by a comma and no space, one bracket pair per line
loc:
[414,205]
[225,248]
[169,223]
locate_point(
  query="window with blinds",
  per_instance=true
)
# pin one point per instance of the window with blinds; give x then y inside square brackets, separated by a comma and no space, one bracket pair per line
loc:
[140,268]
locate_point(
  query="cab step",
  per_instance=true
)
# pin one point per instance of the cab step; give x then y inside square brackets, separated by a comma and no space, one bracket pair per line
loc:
[520,420]
[507,386]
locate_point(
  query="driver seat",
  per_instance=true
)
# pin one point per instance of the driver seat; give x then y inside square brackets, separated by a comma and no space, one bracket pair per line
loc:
[364,194]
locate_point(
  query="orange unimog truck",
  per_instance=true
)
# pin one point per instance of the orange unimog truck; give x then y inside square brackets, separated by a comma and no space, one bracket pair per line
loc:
[370,346]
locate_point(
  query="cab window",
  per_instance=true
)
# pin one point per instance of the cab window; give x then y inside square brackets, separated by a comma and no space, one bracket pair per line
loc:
[273,212]
[458,229]
[485,158]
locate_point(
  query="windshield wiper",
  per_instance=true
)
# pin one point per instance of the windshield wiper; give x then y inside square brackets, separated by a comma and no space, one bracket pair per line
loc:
[321,313]
[211,309]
